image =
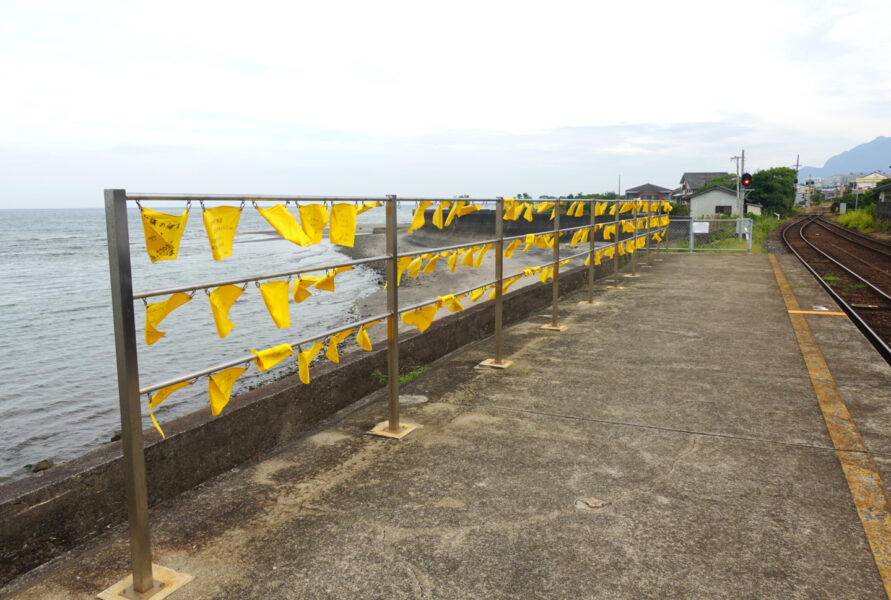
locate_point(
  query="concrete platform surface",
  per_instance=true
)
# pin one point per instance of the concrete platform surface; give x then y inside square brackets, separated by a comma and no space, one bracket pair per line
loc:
[668,444]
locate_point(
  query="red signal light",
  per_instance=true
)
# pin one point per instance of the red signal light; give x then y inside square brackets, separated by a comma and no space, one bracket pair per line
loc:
[746,179]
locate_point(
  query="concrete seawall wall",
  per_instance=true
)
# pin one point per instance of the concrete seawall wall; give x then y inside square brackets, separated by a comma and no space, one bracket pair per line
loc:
[50,513]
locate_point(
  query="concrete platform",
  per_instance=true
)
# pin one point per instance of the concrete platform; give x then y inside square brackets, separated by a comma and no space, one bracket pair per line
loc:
[668,444]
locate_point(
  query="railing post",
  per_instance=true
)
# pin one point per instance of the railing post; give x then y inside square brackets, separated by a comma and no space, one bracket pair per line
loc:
[691,234]
[751,226]
[591,205]
[498,361]
[135,488]
[647,233]
[554,326]
[393,317]
[616,245]
[634,239]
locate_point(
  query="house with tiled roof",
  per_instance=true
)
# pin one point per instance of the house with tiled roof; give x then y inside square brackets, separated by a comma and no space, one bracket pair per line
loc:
[694,181]
[649,191]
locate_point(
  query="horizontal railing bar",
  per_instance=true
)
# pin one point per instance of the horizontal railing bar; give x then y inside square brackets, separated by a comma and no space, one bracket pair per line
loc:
[248,358]
[447,248]
[213,284]
[165,197]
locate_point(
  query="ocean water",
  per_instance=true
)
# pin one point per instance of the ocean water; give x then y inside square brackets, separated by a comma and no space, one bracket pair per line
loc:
[58,392]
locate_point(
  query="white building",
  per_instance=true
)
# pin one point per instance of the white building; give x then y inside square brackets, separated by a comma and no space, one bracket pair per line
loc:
[713,202]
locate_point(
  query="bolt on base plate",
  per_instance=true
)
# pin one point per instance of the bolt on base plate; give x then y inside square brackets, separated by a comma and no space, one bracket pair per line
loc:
[490,362]
[382,429]
[166,582]
[554,327]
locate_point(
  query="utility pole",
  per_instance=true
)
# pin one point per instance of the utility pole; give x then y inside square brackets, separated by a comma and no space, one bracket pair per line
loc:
[807,202]
[740,193]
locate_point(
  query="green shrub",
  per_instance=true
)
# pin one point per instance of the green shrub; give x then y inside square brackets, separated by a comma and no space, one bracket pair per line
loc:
[857,219]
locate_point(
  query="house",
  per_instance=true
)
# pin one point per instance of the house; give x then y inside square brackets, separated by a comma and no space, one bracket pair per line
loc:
[883,193]
[693,182]
[648,191]
[714,201]
[752,208]
[867,182]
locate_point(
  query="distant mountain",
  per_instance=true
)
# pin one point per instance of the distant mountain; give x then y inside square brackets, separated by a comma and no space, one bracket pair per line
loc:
[865,158]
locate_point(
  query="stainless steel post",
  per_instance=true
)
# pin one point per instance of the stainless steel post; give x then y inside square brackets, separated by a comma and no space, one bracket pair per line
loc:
[634,239]
[556,284]
[691,233]
[750,225]
[647,230]
[591,206]
[135,489]
[393,318]
[616,246]
[499,275]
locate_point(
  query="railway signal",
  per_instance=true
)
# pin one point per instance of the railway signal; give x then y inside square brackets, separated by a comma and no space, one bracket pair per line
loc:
[746,180]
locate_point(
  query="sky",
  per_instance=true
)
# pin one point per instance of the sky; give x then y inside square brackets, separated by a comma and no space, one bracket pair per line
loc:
[426,99]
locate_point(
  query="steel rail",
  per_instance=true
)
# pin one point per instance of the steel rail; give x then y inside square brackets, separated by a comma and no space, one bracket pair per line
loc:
[849,271]
[841,231]
[871,335]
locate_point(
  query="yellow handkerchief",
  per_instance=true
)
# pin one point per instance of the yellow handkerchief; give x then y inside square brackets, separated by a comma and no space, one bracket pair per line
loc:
[220,223]
[266,359]
[305,357]
[313,218]
[580,210]
[528,213]
[529,239]
[600,209]
[362,337]
[220,388]
[366,206]
[414,267]
[609,231]
[159,397]
[275,296]
[431,264]
[467,260]
[509,251]
[475,294]
[300,285]
[479,257]
[155,313]
[545,273]
[342,230]
[163,233]
[335,339]
[284,222]
[453,211]
[221,301]
[451,302]
[421,317]
[401,265]
[466,210]
[437,214]
[418,220]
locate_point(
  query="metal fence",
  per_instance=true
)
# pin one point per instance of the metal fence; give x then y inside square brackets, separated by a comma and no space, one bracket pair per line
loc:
[709,235]
[624,227]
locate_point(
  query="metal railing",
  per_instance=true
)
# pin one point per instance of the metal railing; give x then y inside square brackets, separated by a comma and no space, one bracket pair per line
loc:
[710,235]
[124,298]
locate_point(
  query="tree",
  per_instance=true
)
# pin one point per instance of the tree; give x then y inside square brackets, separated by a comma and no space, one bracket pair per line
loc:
[727,181]
[773,189]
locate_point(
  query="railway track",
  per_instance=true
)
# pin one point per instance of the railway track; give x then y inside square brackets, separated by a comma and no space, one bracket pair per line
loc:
[855,270]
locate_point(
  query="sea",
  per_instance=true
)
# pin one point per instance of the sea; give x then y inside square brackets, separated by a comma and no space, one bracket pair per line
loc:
[58,391]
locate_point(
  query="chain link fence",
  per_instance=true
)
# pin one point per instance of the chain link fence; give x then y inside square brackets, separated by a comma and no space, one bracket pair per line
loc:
[710,235]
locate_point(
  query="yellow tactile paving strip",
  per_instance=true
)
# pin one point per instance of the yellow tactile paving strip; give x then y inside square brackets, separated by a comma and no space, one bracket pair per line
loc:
[866,486]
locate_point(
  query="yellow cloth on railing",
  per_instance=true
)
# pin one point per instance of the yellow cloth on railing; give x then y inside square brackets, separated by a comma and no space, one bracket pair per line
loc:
[159,397]
[401,265]
[563,263]
[453,259]
[451,302]
[275,296]
[300,285]
[453,211]
[666,206]
[475,294]
[642,223]
[331,353]
[362,336]
[654,206]
[313,218]
[437,214]
[530,271]
[431,264]
[609,231]
[342,229]
[468,258]
[505,285]
[220,223]
[304,358]
[285,224]
[571,211]
[220,388]
[221,301]
[479,257]
[612,208]
[420,317]
[641,242]
[580,210]
[418,220]
[366,206]
[155,313]
[414,267]
[163,233]
[657,236]
[664,221]
[546,273]
[266,359]
[627,226]
[509,251]
[630,246]
[626,207]
[576,237]
[529,241]
[600,208]
[326,283]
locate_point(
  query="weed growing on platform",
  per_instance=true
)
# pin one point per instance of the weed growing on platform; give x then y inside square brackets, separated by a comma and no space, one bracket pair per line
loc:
[382,378]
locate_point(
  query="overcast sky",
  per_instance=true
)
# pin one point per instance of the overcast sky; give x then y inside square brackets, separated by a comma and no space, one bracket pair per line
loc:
[423,98]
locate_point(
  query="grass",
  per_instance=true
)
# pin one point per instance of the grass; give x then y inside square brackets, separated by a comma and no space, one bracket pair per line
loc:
[830,278]
[382,378]
[857,219]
